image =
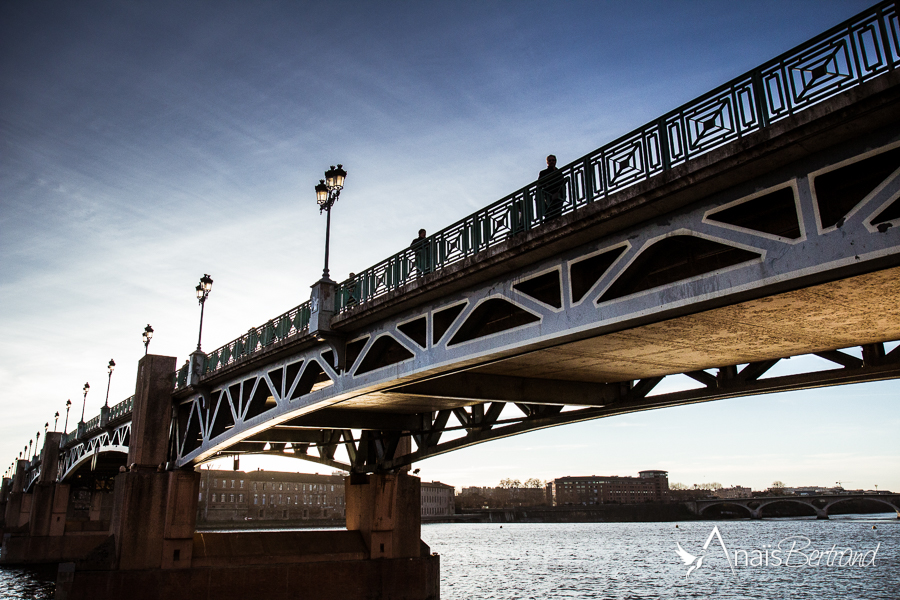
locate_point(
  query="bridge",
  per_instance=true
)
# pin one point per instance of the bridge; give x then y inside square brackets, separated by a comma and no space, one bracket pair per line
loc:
[756,223]
[819,503]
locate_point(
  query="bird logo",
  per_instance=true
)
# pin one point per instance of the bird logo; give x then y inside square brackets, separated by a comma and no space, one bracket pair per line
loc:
[689,558]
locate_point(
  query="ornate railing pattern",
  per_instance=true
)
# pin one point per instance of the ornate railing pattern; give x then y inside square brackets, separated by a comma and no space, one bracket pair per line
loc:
[293,322]
[859,49]
[864,47]
[116,412]
[121,409]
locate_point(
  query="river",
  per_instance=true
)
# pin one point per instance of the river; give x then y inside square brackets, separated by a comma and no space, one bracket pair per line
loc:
[630,561]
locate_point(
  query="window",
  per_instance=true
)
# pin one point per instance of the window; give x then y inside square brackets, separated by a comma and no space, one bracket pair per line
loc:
[254,486]
[240,497]
[255,499]
[232,483]
[231,498]
[214,498]
[242,484]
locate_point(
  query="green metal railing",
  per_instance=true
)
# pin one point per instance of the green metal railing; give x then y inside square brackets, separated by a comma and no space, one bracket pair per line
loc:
[858,50]
[121,409]
[116,412]
[291,323]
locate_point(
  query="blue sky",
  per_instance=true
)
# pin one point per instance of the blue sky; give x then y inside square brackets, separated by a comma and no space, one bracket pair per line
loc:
[144,144]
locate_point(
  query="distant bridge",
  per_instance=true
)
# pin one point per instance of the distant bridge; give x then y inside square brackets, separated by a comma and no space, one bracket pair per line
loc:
[820,503]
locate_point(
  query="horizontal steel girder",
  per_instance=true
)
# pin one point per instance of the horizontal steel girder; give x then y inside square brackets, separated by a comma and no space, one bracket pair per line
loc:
[481,422]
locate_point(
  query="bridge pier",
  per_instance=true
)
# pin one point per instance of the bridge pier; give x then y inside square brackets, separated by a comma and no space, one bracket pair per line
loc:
[385,509]
[154,553]
[18,504]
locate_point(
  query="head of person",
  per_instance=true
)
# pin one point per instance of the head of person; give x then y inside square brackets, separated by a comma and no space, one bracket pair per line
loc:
[352,275]
[421,233]
[551,160]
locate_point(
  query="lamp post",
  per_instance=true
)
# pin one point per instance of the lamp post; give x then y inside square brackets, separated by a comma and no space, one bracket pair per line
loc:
[28,452]
[87,386]
[37,442]
[203,289]
[110,367]
[147,335]
[68,406]
[55,421]
[327,192]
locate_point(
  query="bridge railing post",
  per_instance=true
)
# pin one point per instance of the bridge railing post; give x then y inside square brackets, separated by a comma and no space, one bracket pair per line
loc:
[322,305]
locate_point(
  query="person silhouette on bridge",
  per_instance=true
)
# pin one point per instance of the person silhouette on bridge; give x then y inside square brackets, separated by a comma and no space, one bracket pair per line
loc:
[551,189]
[422,250]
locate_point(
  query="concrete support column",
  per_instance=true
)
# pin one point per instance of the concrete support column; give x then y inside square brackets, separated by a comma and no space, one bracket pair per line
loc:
[14,504]
[59,510]
[821,513]
[152,412]
[4,497]
[154,518]
[44,490]
[386,511]
[155,511]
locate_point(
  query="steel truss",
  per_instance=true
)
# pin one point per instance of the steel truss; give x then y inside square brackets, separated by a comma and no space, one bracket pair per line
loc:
[382,445]
[114,439]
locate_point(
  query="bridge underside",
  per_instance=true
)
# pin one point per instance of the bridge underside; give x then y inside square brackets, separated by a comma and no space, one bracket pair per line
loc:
[728,352]
[856,311]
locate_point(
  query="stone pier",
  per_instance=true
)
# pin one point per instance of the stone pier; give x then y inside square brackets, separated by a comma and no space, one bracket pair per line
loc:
[154,553]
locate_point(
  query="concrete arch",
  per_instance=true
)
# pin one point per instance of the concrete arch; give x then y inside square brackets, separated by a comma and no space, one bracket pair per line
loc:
[819,512]
[727,503]
[894,507]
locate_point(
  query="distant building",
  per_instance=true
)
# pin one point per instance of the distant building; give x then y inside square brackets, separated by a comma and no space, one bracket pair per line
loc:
[269,495]
[502,497]
[227,496]
[437,499]
[649,486]
[733,492]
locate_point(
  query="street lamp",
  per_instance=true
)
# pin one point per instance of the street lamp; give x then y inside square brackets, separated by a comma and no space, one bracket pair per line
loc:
[37,442]
[55,421]
[147,335]
[110,367]
[68,406]
[327,192]
[87,386]
[203,289]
